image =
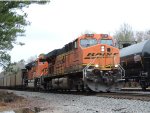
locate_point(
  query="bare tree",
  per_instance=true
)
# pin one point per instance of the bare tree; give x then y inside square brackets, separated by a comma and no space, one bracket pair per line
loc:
[139,36]
[125,33]
[142,35]
[14,68]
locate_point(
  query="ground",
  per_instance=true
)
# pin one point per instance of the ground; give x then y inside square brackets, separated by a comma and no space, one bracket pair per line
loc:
[10,101]
[68,103]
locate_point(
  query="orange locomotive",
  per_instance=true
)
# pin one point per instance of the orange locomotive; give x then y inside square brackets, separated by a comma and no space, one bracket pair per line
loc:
[34,71]
[90,62]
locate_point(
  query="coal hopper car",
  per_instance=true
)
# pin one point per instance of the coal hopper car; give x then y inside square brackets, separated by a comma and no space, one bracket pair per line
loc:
[135,59]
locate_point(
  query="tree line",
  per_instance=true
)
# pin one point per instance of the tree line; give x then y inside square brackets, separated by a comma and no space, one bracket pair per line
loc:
[126,34]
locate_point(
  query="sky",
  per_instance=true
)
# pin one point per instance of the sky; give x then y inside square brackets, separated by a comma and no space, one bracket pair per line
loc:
[57,23]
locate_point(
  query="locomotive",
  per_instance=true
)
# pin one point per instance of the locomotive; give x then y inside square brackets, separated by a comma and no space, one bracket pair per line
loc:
[90,62]
[135,59]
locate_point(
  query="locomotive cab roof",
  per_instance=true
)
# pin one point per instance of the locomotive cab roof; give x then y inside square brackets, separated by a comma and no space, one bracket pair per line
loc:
[57,52]
[30,65]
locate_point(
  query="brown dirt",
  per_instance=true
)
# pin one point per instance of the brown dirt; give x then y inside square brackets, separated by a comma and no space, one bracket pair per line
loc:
[10,100]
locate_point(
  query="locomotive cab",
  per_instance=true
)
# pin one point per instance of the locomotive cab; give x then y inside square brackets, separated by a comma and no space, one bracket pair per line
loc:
[35,70]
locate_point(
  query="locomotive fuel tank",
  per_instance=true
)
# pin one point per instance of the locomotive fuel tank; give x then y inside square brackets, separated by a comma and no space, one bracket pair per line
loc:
[136,61]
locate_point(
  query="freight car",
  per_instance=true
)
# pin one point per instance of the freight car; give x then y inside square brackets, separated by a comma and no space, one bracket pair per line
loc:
[135,59]
[90,62]
[9,80]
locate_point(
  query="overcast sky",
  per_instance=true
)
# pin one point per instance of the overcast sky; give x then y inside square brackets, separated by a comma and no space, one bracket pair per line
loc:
[61,21]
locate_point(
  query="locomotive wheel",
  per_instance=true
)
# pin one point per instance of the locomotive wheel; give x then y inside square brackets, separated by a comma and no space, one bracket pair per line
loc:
[143,85]
[144,88]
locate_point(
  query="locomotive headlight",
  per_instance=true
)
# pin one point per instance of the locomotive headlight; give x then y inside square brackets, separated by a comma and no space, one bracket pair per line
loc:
[116,65]
[96,65]
[102,48]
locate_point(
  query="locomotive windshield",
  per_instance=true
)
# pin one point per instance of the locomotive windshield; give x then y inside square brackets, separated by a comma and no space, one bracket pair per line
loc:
[106,41]
[88,42]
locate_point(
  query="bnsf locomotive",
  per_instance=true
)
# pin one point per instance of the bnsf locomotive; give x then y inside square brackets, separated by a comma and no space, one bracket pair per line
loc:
[135,59]
[90,62]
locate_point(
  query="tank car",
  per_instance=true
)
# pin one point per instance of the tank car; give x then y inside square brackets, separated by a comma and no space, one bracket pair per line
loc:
[135,59]
[90,62]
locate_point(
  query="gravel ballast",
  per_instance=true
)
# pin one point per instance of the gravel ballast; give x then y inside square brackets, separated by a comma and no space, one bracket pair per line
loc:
[68,103]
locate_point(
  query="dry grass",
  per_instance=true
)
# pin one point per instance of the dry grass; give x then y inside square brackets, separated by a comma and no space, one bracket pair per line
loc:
[7,100]
[6,97]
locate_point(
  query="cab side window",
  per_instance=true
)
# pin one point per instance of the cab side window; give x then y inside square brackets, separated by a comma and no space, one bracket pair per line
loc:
[75,44]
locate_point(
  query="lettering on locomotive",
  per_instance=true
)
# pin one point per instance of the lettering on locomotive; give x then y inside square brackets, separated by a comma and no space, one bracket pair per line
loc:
[98,55]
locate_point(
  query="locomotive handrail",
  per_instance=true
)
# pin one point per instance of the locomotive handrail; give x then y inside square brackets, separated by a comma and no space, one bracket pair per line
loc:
[122,70]
[85,69]
[90,63]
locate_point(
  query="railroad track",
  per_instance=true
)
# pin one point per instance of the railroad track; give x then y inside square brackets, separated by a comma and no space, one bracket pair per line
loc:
[131,95]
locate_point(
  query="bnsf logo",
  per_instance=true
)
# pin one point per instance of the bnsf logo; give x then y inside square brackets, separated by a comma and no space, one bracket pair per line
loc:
[98,55]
